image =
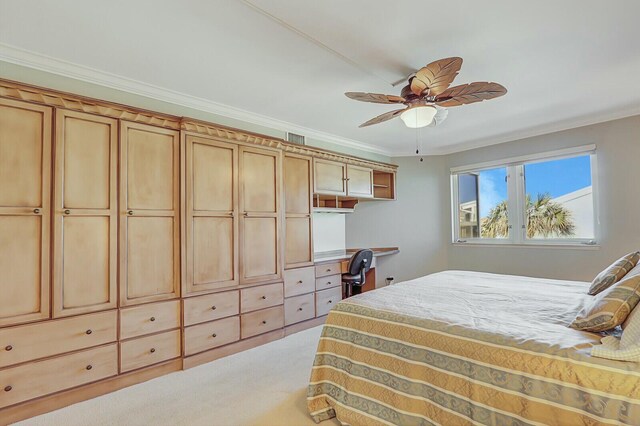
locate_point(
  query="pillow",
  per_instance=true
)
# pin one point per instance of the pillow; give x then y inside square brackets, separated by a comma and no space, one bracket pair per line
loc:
[611,307]
[628,347]
[614,273]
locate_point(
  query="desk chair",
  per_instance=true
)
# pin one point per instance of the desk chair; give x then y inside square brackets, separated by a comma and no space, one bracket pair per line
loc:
[359,265]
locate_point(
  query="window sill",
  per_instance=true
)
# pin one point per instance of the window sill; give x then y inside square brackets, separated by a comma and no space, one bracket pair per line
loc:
[531,245]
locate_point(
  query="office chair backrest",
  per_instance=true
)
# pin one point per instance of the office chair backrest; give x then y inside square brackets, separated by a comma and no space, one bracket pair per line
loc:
[360,262]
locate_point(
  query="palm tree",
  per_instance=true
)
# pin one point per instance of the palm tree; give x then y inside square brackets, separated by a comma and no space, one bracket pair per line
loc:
[545,218]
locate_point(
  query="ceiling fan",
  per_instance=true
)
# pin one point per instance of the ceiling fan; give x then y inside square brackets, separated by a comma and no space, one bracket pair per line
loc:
[428,95]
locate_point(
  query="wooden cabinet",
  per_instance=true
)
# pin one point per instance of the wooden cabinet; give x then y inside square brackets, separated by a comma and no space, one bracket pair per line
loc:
[149,214]
[211,307]
[144,351]
[211,214]
[359,181]
[25,179]
[330,177]
[85,213]
[298,187]
[260,259]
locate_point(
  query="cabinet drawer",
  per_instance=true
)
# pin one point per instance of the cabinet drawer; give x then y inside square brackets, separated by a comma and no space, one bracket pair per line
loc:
[261,321]
[299,281]
[327,299]
[210,335]
[29,342]
[329,282]
[41,378]
[138,353]
[211,307]
[328,269]
[299,308]
[261,297]
[147,319]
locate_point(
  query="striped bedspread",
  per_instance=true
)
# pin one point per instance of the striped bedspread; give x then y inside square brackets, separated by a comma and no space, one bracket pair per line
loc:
[464,348]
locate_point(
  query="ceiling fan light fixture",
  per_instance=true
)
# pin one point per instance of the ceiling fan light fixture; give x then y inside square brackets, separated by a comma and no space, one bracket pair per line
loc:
[419,116]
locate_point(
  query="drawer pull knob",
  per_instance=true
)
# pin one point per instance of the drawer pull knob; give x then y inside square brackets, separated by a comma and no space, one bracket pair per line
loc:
[89,367]
[67,212]
[264,322]
[89,331]
[213,308]
[330,302]
[299,309]
[130,212]
[152,319]
[36,211]
[300,282]
[264,297]
[214,335]
[8,348]
[328,269]
[152,350]
[7,388]
[328,282]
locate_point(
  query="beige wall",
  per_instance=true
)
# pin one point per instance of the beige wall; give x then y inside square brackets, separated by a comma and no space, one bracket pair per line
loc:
[419,222]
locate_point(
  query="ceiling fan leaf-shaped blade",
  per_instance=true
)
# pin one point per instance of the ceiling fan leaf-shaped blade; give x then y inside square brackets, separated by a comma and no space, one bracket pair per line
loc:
[470,93]
[383,117]
[436,76]
[375,98]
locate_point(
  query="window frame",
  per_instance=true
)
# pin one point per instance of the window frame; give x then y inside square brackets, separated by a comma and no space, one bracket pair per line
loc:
[516,199]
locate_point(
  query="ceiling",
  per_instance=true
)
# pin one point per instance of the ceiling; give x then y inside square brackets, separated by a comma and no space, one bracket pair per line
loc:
[287,63]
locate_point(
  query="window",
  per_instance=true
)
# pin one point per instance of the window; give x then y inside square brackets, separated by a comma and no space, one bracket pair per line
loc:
[545,199]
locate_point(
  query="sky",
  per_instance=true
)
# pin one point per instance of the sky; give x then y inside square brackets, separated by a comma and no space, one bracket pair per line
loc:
[557,177]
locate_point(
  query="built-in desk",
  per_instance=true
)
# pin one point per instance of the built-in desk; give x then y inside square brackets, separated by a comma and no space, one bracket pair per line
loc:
[343,257]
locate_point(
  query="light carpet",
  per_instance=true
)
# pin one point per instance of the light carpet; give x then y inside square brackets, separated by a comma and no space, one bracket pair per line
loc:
[263,386]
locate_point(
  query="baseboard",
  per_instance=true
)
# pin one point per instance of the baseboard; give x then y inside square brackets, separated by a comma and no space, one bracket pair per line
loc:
[301,326]
[232,348]
[67,397]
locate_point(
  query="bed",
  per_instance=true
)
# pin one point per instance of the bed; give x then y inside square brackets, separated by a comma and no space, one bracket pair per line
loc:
[461,348]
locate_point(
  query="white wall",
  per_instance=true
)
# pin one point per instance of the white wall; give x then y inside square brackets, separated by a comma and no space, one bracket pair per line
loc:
[328,232]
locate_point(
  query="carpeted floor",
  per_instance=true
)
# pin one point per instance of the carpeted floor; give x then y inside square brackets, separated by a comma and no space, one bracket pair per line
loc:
[263,386]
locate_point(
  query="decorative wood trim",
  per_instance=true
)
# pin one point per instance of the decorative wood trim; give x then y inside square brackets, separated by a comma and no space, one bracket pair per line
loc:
[229,134]
[54,98]
[62,399]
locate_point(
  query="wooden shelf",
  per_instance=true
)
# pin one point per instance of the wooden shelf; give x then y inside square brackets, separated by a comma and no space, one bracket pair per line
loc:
[384,185]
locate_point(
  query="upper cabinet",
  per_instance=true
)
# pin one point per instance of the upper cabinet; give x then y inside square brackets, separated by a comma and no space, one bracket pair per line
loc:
[359,181]
[260,189]
[211,214]
[149,213]
[340,179]
[85,213]
[298,189]
[25,179]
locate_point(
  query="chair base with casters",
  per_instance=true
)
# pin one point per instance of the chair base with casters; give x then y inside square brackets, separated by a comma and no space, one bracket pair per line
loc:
[355,278]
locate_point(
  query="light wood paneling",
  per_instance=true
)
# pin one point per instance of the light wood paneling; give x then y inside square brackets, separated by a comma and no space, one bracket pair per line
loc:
[150,318]
[359,181]
[25,185]
[261,297]
[149,350]
[299,281]
[259,322]
[260,221]
[211,307]
[32,341]
[327,269]
[298,187]
[211,215]
[149,214]
[330,177]
[327,299]
[299,308]
[85,214]
[202,337]
[328,282]
[40,378]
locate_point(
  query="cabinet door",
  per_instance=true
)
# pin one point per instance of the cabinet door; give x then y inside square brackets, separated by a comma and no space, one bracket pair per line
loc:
[211,214]
[330,177]
[85,213]
[359,181]
[260,221]
[298,186]
[25,179]
[149,214]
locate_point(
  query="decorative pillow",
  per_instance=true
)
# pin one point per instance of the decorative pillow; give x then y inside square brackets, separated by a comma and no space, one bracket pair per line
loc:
[611,348]
[631,334]
[614,273]
[611,307]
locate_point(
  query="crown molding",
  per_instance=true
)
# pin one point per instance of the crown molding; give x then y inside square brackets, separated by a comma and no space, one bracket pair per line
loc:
[63,68]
